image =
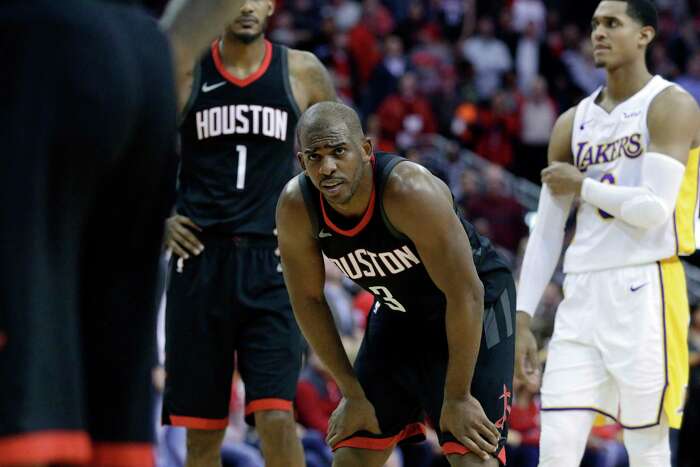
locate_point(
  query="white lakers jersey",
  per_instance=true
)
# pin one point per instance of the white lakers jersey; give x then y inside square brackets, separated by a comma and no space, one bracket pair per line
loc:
[610,147]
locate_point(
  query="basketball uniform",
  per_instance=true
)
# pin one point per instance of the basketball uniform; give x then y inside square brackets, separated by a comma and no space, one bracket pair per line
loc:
[228,306]
[620,339]
[86,181]
[402,361]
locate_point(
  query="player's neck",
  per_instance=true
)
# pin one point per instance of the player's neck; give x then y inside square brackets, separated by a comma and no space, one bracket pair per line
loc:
[242,58]
[624,82]
[359,203]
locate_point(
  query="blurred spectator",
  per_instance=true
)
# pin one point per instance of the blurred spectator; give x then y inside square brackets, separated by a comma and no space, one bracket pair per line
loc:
[454,166]
[605,448]
[529,13]
[346,13]
[579,63]
[406,115]
[469,191]
[451,16]
[385,76]
[537,116]
[317,395]
[339,300]
[527,58]
[363,43]
[489,56]
[499,126]
[524,431]
[464,121]
[413,24]
[660,63]
[690,80]
[502,212]
[377,18]
[374,133]
[284,31]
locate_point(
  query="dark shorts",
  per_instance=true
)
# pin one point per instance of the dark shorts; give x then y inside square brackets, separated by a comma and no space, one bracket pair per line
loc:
[402,365]
[228,309]
[88,134]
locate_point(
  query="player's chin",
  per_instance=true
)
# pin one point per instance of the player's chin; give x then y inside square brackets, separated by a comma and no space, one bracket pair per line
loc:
[246,35]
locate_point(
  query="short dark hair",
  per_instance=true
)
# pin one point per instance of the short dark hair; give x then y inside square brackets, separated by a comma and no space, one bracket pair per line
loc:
[643,11]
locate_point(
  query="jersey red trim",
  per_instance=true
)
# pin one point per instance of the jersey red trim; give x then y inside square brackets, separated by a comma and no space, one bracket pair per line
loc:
[216,53]
[380,444]
[123,455]
[268,404]
[46,447]
[198,423]
[453,447]
[365,218]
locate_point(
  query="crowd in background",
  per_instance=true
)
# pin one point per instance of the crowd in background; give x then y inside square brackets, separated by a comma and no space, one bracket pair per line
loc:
[483,77]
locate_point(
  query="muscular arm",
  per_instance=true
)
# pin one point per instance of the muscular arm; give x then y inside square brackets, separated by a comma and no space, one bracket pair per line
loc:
[191,25]
[420,206]
[311,82]
[304,275]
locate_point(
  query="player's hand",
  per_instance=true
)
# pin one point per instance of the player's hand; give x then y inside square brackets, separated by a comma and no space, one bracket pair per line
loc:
[351,416]
[467,422]
[527,368]
[563,178]
[179,236]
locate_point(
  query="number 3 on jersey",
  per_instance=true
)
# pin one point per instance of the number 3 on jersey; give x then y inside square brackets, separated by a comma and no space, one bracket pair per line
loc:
[242,159]
[386,297]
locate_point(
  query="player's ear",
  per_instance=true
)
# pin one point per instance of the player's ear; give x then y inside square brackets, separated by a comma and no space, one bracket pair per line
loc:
[367,148]
[271,8]
[647,34]
[300,158]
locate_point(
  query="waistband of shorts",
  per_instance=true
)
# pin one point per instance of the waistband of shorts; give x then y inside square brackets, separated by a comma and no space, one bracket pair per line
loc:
[242,240]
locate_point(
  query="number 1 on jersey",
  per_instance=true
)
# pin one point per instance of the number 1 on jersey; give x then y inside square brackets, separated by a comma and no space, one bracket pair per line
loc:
[242,156]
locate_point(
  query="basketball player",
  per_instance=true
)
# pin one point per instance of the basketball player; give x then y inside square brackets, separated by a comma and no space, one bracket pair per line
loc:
[87,126]
[630,152]
[226,294]
[391,226]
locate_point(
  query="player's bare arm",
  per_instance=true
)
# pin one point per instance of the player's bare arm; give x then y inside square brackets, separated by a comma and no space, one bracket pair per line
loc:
[191,25]
[311,82]
[543,249]
[674,124]
[304,274]
[420,206]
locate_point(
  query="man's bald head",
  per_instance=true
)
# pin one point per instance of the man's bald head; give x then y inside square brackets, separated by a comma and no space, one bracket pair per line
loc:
[325,117]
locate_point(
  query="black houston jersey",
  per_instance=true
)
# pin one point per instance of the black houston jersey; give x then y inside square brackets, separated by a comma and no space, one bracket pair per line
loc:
[379,258]
[237,145]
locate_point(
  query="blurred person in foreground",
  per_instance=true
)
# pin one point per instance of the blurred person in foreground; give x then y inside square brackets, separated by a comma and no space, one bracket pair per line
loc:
[88,123]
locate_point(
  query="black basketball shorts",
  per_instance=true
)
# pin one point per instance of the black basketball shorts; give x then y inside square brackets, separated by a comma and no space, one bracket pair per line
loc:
[228,309]
[402,365]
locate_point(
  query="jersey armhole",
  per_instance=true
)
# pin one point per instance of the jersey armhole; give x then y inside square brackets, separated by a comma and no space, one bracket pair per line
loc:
[309,203]
[286,77]
[384,176]
[196,80]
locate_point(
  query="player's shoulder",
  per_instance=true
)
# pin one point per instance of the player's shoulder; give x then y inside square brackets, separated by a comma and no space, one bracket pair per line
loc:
[412,183]
[303,64]
[674,101]
[292,197]
[565,121]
